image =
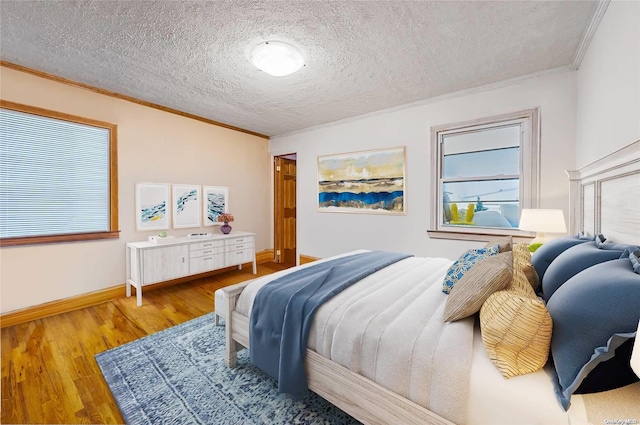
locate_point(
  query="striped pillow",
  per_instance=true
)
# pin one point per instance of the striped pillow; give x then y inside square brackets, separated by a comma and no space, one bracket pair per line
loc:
[486,277]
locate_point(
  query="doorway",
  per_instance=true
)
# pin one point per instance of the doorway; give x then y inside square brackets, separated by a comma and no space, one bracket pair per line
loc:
[284,201]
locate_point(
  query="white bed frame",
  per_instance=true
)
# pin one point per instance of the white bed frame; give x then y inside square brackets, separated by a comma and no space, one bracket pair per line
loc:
[605,198]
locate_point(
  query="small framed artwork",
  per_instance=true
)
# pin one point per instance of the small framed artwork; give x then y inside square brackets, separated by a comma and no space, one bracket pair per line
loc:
[152,206]
[369,182]
[215,202]
[186,205]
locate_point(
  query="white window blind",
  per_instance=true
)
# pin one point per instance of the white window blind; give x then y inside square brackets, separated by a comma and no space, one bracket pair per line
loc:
[54,176]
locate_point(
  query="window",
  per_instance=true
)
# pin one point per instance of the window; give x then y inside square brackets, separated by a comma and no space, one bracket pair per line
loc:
[484,173]
[58,177]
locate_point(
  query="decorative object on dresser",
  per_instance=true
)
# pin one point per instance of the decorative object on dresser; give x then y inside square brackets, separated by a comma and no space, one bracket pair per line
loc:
[149,262]
[199,235]
[162,237]
[226,218]
[215,202]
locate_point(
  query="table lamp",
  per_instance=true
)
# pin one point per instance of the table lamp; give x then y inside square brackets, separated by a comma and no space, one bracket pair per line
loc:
[542,221]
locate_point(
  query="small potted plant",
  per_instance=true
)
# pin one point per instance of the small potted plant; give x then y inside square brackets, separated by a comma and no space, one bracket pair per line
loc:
[226,218]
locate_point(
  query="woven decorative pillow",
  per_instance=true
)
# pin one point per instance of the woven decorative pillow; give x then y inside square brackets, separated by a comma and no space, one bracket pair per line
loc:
[516,331]
[486,277]
[522,265]
[464,264]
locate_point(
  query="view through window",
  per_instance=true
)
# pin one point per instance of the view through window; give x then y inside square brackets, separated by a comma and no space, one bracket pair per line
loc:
[486,174]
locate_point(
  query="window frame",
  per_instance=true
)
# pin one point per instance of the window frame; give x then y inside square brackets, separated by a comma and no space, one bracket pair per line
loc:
[528,178]
[113,232]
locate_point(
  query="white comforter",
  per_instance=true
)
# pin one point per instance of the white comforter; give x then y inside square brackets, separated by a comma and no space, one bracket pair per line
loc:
[388,327]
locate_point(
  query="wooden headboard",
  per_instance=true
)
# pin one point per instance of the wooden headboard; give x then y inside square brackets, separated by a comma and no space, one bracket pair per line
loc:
[605,196]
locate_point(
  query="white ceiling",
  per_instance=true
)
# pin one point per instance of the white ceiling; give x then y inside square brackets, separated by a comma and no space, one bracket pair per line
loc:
[361,56]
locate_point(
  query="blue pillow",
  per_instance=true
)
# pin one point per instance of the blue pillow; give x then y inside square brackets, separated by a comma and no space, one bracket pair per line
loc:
[550,250]
[464,264]
[593,313]
[600,239]
[574,260]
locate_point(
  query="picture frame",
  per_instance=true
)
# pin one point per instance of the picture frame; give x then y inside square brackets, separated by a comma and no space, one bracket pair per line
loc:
[366,182]
[153,211]
[215,201]
[186,205]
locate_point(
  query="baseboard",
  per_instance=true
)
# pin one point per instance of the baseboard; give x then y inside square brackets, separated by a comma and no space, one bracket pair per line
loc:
[304,259]
[61,306]
[265,256]
[103,295]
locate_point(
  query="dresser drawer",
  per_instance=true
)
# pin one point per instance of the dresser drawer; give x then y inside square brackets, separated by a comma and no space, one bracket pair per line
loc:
[239,246]
[195,253]
[239,240]
[233,258]
[195,246]
[206,263]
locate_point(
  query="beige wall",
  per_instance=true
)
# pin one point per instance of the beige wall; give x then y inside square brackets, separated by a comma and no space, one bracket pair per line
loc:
[153,146]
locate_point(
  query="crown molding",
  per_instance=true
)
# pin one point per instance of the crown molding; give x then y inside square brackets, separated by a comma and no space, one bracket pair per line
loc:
[436,99]
[109,93]
[589,32]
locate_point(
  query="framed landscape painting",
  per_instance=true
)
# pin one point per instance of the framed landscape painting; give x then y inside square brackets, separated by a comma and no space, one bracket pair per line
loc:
[215,202]
[186,206]
[152,206]
[371,182]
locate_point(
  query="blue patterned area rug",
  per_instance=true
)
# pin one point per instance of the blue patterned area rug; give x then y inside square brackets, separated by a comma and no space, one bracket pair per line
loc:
[178,376]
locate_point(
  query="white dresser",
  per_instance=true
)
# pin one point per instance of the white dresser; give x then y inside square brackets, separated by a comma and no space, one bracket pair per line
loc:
[149,262]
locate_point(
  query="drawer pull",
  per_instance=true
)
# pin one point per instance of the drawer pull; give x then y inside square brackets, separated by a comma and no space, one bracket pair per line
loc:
[206,252]
[207,244]
[239,246]
[239,252]
[207,258]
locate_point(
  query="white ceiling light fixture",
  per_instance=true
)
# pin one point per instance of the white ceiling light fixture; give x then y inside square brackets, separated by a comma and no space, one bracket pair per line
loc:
[277,58]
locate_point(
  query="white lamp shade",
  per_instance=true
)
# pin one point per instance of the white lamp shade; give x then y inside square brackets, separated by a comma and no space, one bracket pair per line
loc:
[635,354]
[543,221]
[277,58]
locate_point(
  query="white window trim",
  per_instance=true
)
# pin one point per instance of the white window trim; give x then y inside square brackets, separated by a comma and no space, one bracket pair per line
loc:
[529,182]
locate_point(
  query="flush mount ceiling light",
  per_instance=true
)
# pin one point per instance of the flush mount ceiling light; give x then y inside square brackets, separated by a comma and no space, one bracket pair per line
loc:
[277,58]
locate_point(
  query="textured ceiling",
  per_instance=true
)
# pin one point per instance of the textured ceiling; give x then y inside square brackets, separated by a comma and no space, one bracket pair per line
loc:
[361,56]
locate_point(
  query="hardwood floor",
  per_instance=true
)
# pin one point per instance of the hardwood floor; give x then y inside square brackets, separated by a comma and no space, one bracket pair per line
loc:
[49,373]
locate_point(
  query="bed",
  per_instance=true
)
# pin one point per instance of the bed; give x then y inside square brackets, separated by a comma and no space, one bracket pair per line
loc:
[600,203]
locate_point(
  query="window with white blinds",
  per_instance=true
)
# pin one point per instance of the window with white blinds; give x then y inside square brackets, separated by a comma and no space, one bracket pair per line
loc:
[55,175]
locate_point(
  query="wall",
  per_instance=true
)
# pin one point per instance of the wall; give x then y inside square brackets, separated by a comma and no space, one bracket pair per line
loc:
[608,115]
[324,234]
[153,146]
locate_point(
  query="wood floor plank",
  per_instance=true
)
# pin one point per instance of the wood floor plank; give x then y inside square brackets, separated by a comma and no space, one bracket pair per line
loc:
[49,371]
